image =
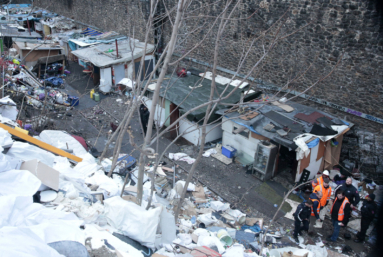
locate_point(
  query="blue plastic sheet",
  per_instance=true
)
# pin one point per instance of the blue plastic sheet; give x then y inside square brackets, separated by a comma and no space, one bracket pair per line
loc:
[313,143]
[254,228]
[55,81]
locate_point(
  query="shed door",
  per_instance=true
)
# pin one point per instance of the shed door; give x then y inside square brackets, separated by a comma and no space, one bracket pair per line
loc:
[145,73]
[119,73]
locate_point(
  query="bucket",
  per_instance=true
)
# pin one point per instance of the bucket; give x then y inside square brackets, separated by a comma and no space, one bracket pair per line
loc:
[91,93]
[242,219]
[224,237]
[96,97]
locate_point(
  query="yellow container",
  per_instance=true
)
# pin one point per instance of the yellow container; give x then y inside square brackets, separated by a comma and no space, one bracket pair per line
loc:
[26,132]
[91,93]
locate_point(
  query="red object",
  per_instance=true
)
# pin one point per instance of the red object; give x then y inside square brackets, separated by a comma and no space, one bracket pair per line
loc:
[116,47]
[181,73]
[204,251]
[20,123]
[81,141]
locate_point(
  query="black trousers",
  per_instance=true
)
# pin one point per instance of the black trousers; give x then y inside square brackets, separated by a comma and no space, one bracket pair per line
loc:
[364,224]
[298,228]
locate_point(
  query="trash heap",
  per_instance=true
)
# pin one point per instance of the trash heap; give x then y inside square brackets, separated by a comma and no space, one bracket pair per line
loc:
[55,206]
[20,81]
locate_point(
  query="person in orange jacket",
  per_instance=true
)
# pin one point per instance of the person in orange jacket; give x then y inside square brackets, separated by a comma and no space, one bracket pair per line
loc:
[325,189]
[340,214]
[319,181]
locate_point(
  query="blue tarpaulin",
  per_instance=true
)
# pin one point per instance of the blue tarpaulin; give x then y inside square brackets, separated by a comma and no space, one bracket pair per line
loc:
[254,228]
[55,81]
[91,32]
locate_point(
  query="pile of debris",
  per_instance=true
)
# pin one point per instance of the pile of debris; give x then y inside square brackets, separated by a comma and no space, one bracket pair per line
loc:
[57,197]
[37,92]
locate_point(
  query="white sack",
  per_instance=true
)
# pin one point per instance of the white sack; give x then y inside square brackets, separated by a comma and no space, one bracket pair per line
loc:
[219,206]
[27,152]
[191,186]
[317,250]
[133,220]
[22,242]
[237,250]
[60,139]
[8,111]
[59,230]
[4,163]
[5,137]
[18,182]
[236,214]
[97,233]
[211,241]
[12,208]
[209,152]
[207,219]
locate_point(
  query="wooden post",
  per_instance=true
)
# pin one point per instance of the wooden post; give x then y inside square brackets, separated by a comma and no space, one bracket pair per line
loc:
[62,72]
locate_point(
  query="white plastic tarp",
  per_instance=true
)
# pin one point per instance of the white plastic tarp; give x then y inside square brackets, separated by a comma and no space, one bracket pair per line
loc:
[8,108]
[5,137]
[60,139]
[26,152]
[22,242]
[133,220]
[18,182]
[97,233]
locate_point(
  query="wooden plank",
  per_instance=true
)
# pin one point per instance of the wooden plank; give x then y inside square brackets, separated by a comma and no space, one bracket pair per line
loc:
[321,148]
[259,137]
[222,158]
[305,162]
[248,116]
[39,143]
[167,169]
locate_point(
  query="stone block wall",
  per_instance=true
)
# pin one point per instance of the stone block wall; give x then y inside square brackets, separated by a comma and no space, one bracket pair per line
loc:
[323,32]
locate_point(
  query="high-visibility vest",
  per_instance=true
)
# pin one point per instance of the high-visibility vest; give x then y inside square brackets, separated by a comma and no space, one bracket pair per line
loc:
[326,193]
[341,209]
[312,207]
[318,181]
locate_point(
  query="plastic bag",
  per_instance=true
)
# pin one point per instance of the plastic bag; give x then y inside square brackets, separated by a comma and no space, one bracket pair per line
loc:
[133,220]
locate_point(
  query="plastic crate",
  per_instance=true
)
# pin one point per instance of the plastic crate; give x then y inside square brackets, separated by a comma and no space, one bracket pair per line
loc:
[228,151]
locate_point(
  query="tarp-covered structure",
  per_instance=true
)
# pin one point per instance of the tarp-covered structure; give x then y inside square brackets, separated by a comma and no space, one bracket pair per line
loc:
[105,55]
[191,91]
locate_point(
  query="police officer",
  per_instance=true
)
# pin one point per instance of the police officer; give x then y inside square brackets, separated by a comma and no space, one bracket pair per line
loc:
[350,192]
[368,212]
[302,215]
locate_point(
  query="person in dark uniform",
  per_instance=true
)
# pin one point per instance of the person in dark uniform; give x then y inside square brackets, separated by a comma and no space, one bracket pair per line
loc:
[144,115]
[368,212]
[350,192]
[302,216]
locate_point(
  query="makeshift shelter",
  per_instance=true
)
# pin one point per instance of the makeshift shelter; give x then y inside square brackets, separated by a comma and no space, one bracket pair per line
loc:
[196,90]
[272,136]
[117,60]
[31,52]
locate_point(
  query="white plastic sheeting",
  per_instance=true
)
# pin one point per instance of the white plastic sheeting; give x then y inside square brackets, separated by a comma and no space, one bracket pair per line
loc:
[26,152]
[18,182]
[11,239]
[97,233]
[5,137]
[8,108]
[133,220]
[60,139]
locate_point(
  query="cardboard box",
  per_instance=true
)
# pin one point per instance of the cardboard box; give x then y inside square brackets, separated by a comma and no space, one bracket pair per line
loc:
[130,198]
[48,176]
[365,188]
